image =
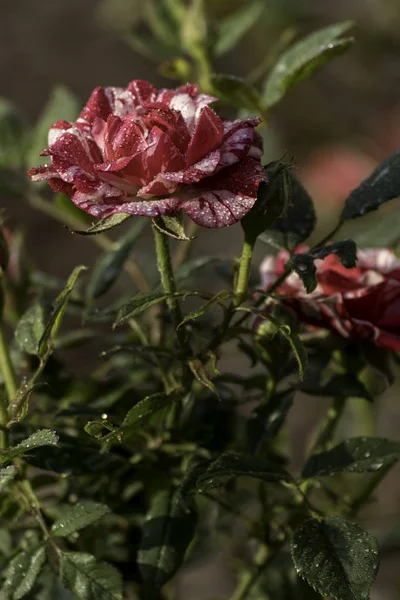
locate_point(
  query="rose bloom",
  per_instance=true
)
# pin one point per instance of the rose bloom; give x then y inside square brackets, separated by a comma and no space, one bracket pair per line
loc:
[360,304]
[143,151]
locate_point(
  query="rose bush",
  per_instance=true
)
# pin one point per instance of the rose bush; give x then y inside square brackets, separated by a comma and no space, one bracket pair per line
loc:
[152,152]
[361,303]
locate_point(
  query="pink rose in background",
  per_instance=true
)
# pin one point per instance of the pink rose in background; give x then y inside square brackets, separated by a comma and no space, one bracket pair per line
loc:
[361,303]
[143,151]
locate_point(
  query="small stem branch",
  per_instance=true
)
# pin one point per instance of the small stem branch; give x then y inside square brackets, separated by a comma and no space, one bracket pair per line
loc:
[243,276]
[327,429]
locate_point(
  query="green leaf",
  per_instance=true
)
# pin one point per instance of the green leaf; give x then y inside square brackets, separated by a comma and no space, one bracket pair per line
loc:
[235,465]
[168,530]
[304,59]
[381,186]
[110,265]
[137,417]
[267,419]
[199,371]
[59,305]
[43,437]
[236,25]
[237,92]
[63,105]
[336,557]
[104,224]
[146,408]
[140,303]
[30,329]
[88,579]
[6,475]
[12,136]
[270,327]
[76,517]
[355,455]
[23,571]
[218,299]
[171,226]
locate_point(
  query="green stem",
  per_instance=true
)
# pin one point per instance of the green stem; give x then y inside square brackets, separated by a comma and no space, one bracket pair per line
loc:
[6,367]
[327,429]
[365,494]
[243,276]
[168,280]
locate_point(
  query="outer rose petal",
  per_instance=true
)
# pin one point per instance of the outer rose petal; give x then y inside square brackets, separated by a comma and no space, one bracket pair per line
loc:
[124,204]
[225,198]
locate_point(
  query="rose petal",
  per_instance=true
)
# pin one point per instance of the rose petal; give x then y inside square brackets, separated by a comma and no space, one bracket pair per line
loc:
[207,136]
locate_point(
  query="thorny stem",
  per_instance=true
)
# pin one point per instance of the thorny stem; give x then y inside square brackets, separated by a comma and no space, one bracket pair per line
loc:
[243,275]
[168,281]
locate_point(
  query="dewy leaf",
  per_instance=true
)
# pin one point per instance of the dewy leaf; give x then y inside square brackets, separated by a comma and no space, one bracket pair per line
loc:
[104,224]
[110,265]
[140,303]
[381,186]
[139,415]
[266,420]
[30,329]
[145,408]
[336,557]
[63,105]
[23,571]
[12,136]
[218,299]
[76,517]
[305,58]
[234,465]
[237,92]
[355,455]
[297,223]
[48,338]
[167,531]
[171,226]
[236,25]
[43,437]
[88,579]
[6,475]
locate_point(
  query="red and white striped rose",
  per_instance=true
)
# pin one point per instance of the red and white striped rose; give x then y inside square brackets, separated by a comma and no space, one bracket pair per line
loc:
[143,151]
[361,303]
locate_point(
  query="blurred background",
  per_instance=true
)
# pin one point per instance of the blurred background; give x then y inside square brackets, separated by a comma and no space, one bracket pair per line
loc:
[337,127]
